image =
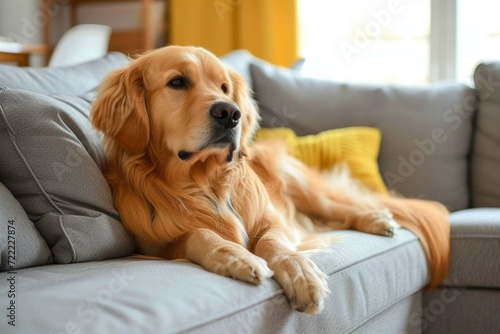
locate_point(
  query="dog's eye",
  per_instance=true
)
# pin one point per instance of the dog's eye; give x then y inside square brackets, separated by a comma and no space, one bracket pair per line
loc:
[178,83]
[224,88]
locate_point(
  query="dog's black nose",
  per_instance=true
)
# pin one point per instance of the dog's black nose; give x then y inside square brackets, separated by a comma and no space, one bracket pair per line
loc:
[225,114]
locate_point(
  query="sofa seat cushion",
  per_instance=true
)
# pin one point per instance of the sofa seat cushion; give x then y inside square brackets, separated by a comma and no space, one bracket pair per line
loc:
[475,248]
[367,275]
[426,132]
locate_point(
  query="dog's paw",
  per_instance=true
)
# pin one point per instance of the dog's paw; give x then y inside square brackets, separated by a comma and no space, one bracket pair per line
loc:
[241,264]
[304,284]
[251,269]
[382,223]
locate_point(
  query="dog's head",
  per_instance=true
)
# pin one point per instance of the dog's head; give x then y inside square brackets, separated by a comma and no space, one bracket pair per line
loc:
[179,99]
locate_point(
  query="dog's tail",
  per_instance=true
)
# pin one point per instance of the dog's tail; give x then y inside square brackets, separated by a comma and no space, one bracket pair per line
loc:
[429,221]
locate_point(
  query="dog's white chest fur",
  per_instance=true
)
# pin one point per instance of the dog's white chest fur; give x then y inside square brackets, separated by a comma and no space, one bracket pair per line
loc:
[226,209]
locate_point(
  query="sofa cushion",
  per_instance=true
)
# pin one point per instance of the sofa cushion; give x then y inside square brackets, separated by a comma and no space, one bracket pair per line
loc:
[240,60]
[21,245]
[367,275]
[460,310]
[426,132]
[485,178]
[77,79]
[475,248]
[357,147]
[51,158]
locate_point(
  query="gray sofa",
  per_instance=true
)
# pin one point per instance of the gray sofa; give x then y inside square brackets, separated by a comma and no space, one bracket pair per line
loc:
[72,271]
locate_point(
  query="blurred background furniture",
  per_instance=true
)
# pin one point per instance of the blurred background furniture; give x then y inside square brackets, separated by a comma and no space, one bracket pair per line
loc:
[81,43]
[21,56]
[126,41]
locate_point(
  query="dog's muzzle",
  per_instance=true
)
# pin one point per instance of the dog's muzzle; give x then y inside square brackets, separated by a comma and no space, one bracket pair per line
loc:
[225,118]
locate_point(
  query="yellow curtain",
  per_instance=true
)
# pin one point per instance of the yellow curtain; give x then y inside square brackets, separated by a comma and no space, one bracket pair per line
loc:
[267,28]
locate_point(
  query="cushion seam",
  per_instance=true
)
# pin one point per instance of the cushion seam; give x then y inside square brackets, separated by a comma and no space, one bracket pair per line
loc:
[60,278]
[280,292]
[476,236]
[352,329]
[233,313]
[68,240]
[385,251]
[25,162]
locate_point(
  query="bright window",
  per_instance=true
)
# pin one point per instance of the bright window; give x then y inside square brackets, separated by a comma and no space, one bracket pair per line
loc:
[478,35]
[398,41]
[368,41]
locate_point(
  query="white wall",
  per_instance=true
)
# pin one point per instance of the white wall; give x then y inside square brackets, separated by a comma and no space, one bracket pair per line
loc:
[124,16]
[21,20]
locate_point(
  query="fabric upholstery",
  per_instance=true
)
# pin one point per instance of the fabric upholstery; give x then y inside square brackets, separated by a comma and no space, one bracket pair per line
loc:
[21,245]
[426,132]
[475,248]
[78,79]
[486,153]
[240,60]
[358,147]
[461,310]
[144,296]
[51,158]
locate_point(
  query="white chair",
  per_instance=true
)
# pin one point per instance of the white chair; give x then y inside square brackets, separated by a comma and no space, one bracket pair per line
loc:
[81,43]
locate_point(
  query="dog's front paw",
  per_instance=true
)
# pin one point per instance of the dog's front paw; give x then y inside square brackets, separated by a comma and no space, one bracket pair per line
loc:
[380,222]
[240,264]
[303,283]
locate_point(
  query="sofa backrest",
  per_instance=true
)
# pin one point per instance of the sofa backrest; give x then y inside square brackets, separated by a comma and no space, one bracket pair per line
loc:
[485,169]
[76,80]
[426,132]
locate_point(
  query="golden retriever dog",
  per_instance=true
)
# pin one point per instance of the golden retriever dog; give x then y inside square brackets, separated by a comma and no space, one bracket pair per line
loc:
[189,183]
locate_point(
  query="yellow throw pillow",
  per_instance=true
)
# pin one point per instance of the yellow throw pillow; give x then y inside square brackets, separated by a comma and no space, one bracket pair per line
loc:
[356,146]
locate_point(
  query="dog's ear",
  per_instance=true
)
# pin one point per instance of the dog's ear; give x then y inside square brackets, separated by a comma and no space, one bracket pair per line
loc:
[249,111]
[120,110]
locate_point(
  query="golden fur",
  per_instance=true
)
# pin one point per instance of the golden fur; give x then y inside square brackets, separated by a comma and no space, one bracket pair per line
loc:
[190,186]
